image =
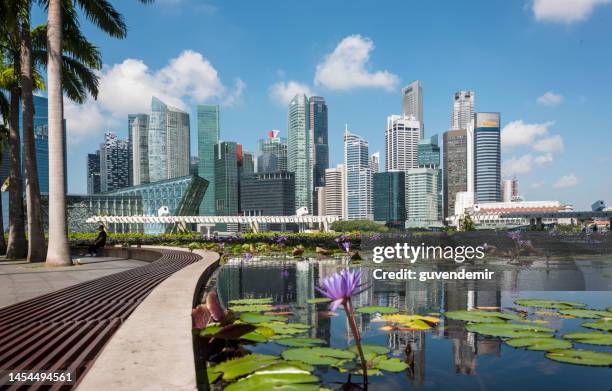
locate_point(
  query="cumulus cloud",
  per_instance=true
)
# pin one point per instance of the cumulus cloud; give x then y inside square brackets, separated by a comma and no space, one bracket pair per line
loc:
[566,181]
[346,67]
[543,159]
[282,92]
[550,99]
[127,87]
[537,185]
[519,133]
[549,144]
[565,11]
[517,165]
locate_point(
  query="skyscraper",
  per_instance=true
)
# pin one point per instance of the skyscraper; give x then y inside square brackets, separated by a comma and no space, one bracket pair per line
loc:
[168,142]
[412,100]
[299,150]
[423,198]
[401,142]
[358,177]
[390,197]
[272,153]
[318,126]
[268,194]
[510,190]
[114,167]
[487,157]
[455,178]
[138,130]
[208,137]
[463,109]
[375,162]
[428,152]
[226,178]
[93,173]
[335,191]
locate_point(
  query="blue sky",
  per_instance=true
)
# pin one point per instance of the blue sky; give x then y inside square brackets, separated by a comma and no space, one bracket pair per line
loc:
[544,64]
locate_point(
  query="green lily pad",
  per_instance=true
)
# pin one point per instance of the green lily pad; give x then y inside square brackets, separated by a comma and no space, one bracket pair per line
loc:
[263,300]
[604,325]
[389,364]
[587,314]
[480,316]
[286,328]
[581,357]
[285,378]
[590,337]
[369,351]
[377,310]
[210,330]
[245,365]
[537,343]
[300,342]
[318,300]
[251,308]
[555,304]
[318,355]
[255,317]
[510,330]
[213,376]
[255,337]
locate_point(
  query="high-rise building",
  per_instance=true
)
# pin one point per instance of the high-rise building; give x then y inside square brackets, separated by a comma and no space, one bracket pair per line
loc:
[335,191]
[93,173]
[226,179]
[487,157]
[318,127]
[193,165]
[412,100]
[272,153]
[208,137]
[358,177]
[389,198]
[268,194]
[463,109]
[138,131]
[168,142]
[455,177]
[402,136]
[429,152]
[510,190]
[114,167]
[320,197]
[246,162]
[299,150]
[423,198]
[375,162]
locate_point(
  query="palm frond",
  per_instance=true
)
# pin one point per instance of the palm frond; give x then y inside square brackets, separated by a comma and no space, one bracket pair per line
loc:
[79,80]
[105,16]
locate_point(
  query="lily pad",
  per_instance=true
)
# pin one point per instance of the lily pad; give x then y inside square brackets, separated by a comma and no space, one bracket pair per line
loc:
[263,300]
[318,355]
[286,328]
[510,330]
[537,343]
[481,316]
[389,364]
[555,304]
[587,314]
[300,342]
[581,357]
[413,322]
[245,365]
[590,337]
[369,351]
[318,300]
[212,376]
[255,317]
[604,325]
[251,308]
[290,379]
[377,310]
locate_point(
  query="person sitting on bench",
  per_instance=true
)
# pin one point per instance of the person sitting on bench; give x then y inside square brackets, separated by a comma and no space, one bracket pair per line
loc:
[100,242]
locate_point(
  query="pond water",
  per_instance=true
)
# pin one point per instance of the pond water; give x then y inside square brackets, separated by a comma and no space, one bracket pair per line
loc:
[445,356]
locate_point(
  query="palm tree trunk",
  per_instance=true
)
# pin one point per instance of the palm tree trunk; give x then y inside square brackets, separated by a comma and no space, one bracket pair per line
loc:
[37,248]
[2,240]
[58,253]
[16,248]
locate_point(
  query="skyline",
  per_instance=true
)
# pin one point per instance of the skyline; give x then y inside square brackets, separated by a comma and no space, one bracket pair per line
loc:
[545,108]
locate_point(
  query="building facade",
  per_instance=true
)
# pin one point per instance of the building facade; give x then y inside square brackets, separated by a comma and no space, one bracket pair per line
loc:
[114,163]
[463,109]
[272,153]
[358,178]
[138,131]
[209,134]
[455,145]
[487,157]
[268,194]
[93,173]
[299,154]
[335,191]
[412,100]
[428,152]
[226,179]
[375,162]
[402,136]
[390,198]
[510,190]
[319,136]
[423,198]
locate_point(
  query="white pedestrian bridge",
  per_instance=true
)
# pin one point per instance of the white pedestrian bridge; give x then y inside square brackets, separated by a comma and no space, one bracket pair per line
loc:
[209,221]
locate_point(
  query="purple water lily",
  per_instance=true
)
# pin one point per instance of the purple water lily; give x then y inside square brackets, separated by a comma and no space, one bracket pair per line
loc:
[346,246]
[247,256]
[339,287]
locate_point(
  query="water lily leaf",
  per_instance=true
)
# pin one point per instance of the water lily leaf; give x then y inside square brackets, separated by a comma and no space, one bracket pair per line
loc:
[389,364]
[251,308]
[318,355]
[263,300]
[301,365]
[480,316]
[299,342]
[369,351]
[510,330]
[245,365]
[234,331]
[318,300]
[377,310]
[255,317]
[537,343]
[587,314]
[284,381]
[553,314]
[212,376]
[605,325]
[581,357]
[590,337]
[412,322]
[210,330]
[555,304]
[255,337]
[286,328]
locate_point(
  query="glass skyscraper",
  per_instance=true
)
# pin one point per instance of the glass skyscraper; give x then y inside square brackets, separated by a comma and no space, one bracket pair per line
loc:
[463,109]
[208,137]
[272,153]
[93,173]
[299,154]
[423,197]
[226,179]
[487,157]
[319,135]
[455,178]
[390,197]
[114,163]
[138,131]
[412,100]
[358,177]
[429,152]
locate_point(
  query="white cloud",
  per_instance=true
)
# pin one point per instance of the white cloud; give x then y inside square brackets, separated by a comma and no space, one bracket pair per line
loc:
[536,185]
[549,144]
[127,87]
[543,159]
[517,166]
[566,181]
[520,133]
[345,67]
[565,11]
[550,99]
[282,92]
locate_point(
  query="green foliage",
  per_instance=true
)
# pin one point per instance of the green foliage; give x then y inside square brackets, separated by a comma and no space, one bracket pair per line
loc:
[263,300]
[318,355]
[510,330]
[543,303]
[590,337]
[281,377]
[251,308]
[376,310]
[254,317]
[537,343]
[467,224]
[286,328]
[358,226]
[479,316]
[604,325]
[389,364]
[586,313]
[303,342]
[238,367]
[581,357]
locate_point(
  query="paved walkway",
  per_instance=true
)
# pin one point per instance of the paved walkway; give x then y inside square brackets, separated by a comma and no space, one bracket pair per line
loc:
[21,281]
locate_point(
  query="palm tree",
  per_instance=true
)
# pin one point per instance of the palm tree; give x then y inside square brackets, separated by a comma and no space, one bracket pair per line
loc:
[4,132]
[106,17]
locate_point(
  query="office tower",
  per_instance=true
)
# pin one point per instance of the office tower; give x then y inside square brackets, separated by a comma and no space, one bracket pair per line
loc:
[320,196]
[463,109]
[412,100]
[226,178]
[93,173]
[318,127]
[272,153]
[428,152]
[114,167]
[389,197]
[168,142]
[423,198]
[487,157]
[246,164]
[335,191]
[268,194]
[194,161]
[208,137]
[402,136]
[358,177]
[455,167]
[299,150]
[510,190]
[138,130]
[375,162]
